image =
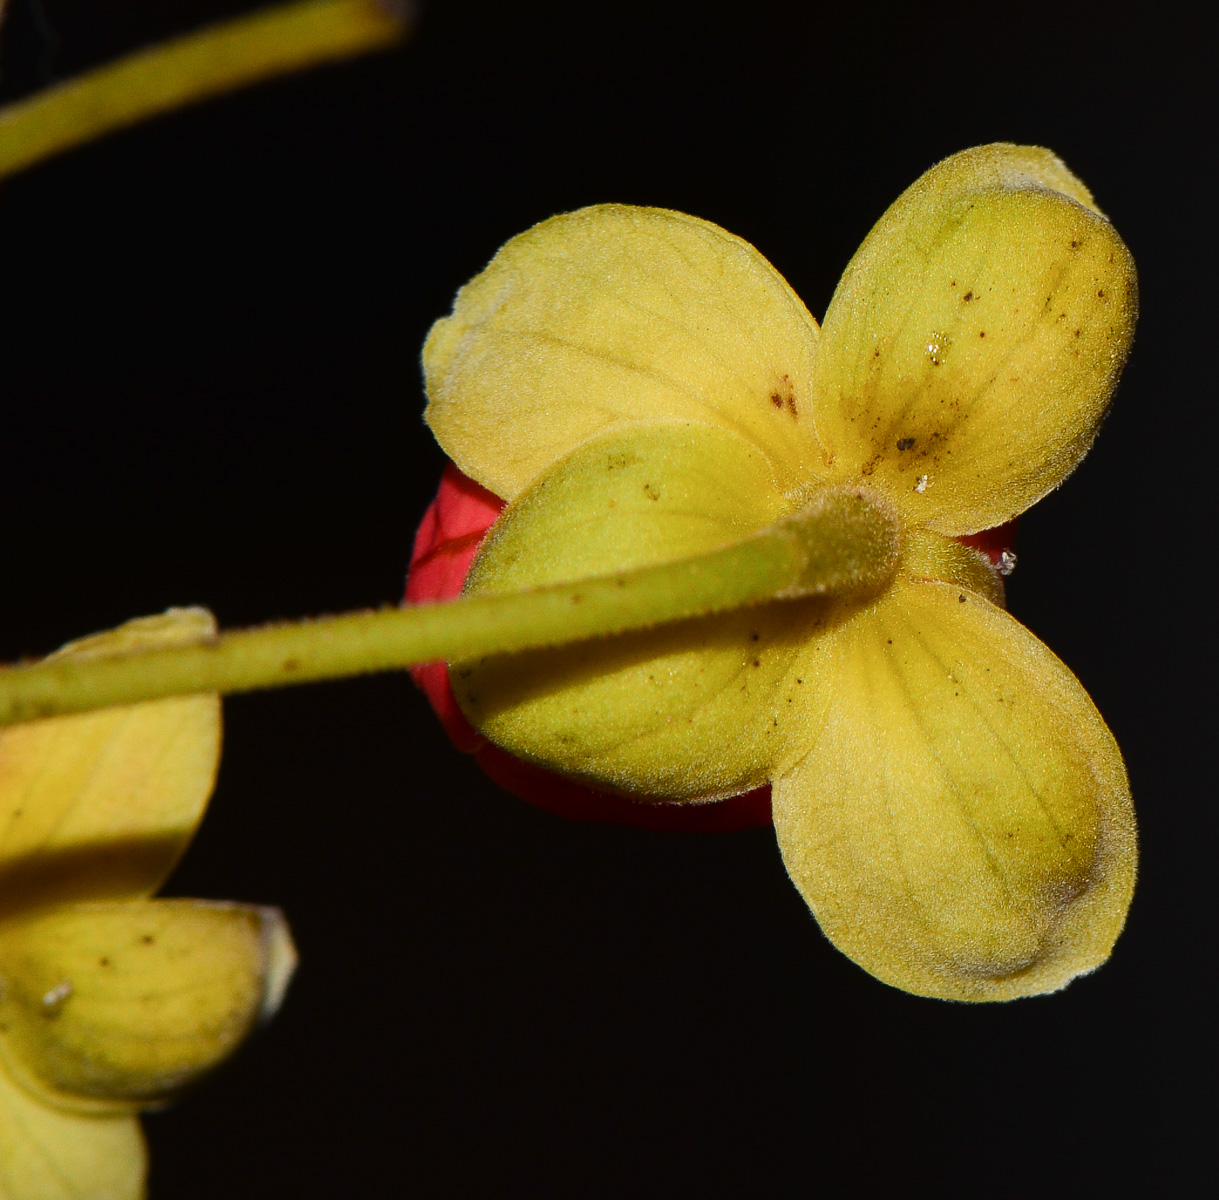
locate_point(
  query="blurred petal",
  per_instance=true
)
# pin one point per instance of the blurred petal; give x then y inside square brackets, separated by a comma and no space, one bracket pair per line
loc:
[48,1154]
[103,804]
[975,340]
[960,823]
[681,712]
[123,1003]
[611,316]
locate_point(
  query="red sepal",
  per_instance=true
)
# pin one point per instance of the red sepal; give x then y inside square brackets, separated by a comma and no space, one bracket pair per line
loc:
[993,542]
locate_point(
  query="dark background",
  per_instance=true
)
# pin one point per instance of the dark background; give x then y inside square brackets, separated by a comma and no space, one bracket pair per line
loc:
[211,395]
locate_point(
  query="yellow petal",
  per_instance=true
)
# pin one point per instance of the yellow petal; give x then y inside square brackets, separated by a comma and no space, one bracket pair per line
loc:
[47,1154]
[123,1003]
[610,316]
[974,342]
[684,712]
[960,823]
[103,804]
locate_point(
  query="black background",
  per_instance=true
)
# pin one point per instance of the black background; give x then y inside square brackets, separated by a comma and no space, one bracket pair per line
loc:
[211,395]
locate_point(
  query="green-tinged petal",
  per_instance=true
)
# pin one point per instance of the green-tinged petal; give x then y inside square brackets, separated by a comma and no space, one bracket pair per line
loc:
[610,316]
[48,1154]
[975,340]
[960,823]
[102,805]
[121,1004]
[688,711]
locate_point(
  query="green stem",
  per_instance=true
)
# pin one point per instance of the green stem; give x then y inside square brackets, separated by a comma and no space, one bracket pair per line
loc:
[207,63]
[840,544]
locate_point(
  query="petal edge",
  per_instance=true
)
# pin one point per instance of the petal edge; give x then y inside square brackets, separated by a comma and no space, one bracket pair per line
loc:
[960,824]
[975,340]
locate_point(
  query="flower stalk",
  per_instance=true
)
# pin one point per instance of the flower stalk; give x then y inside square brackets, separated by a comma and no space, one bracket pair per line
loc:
[840,544]
[185,70]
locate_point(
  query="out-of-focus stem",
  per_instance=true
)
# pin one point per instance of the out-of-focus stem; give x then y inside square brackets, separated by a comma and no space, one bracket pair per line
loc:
[220,58]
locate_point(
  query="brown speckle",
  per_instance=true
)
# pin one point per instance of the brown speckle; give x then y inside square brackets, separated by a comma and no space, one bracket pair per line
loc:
[651,492]
[981,333]
[905,443]
[967,297]
[776,399]
[291,664]
[103,962]
[757,662]
[148,939]
[961,599]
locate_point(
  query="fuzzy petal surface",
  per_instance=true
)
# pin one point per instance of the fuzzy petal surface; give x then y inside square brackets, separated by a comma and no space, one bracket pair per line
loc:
[610,316]
[960,822]
[121,1004]
[103,804]
[48,1154]
[975,340]
[682,712]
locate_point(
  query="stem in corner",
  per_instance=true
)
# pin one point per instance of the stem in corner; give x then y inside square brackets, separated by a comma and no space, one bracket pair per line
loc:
[209,62]
[841,544]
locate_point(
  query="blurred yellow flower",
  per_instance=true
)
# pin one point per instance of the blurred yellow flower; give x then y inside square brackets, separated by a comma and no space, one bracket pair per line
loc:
[641,386]
[111,1001]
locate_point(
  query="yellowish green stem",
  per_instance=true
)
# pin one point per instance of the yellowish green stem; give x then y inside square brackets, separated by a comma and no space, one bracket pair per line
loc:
[207,63]
[842,543]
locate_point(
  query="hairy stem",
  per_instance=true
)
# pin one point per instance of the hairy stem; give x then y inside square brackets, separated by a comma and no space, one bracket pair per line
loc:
[207,63]
[842,543]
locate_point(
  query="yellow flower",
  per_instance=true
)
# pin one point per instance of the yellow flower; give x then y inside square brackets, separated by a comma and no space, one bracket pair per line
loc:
[110,1001]
[641,385]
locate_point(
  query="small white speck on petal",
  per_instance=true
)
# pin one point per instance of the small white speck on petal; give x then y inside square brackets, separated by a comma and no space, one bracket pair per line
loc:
[57,995]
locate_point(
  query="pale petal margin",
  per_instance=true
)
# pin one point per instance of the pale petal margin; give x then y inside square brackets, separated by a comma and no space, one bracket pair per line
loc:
[686,712]
[609,316]
[975,339]
[115,1006]
[102,805]
[960,822]
[46,1154]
